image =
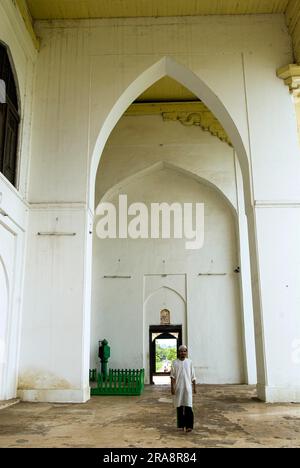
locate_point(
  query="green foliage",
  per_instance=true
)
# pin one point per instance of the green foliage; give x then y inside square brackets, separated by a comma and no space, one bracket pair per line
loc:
[163,354]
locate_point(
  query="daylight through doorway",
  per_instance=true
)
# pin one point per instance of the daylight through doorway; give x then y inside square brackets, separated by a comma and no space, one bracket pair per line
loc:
[164,344]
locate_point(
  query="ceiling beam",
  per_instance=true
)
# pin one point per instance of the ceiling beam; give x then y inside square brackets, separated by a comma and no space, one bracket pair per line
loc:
[71,9]
[82,9]
[27,18]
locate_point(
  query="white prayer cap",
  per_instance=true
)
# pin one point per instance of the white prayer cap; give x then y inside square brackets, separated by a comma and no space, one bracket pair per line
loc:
[182,347]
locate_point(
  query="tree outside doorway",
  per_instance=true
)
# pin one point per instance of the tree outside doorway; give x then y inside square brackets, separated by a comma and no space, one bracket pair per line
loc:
[165,353]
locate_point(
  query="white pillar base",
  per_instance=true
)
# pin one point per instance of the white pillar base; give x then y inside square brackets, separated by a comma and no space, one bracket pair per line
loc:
[278,394]
[55,396]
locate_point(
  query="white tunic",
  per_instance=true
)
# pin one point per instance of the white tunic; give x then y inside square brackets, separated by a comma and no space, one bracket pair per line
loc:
[184,374]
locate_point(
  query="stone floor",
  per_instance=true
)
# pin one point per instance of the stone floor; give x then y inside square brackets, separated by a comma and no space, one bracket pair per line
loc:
[225,416]
[7,403]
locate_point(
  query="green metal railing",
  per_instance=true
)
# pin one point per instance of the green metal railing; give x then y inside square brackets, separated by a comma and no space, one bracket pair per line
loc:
[118,382]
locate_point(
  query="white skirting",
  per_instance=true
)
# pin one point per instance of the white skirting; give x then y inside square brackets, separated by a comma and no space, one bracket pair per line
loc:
[55,396]
[278,394]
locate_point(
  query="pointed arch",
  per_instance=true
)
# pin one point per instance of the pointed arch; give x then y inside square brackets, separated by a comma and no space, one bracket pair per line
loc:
[110,193]
[156,291]
[169,67]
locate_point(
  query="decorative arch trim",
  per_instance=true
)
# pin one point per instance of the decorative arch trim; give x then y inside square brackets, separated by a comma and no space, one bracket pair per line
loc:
[110,193]
[161,288]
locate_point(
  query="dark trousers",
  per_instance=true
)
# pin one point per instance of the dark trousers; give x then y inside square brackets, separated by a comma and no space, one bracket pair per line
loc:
[185,417]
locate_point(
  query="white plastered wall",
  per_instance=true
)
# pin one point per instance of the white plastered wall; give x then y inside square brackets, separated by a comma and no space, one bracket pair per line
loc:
[126,312]
[13,206]
[152,160]
[88,73]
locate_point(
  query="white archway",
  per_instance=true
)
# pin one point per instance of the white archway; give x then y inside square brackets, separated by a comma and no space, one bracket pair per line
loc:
[164,297]
[167,288]
[169,67]
[109,194]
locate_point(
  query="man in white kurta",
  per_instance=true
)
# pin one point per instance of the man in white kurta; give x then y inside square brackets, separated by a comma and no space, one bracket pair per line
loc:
[183,383]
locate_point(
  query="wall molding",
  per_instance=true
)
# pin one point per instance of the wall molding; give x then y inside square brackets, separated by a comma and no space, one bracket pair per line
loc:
[277,203]
[291,76]
[44,206]
[55,395]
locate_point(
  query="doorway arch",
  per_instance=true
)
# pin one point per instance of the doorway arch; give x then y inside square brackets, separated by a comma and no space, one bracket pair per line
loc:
[167,66]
